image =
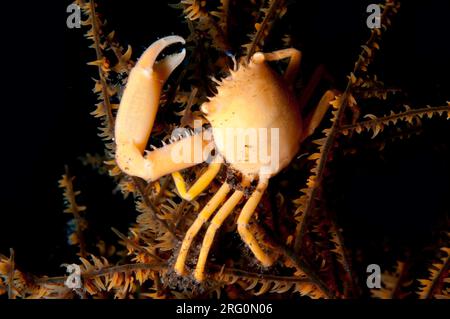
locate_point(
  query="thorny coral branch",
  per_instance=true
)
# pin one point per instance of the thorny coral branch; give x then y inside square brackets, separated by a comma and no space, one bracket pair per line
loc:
[439,275]
[143,194]
[109,270]
[301,266]
[376,124]
[194,10]
[307,201]
[342,254]
[11,274]
[275,7]
[221,275]
[70,194]
[101,59]
[391,282]
[135,246]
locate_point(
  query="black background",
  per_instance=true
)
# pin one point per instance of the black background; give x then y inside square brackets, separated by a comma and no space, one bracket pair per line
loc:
[46,123]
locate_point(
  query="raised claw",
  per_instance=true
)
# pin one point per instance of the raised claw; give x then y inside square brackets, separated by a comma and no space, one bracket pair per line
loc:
[139,105]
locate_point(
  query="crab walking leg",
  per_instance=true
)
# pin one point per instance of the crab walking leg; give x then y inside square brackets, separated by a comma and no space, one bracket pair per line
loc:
[244,219]
[137,113]
[295,57]
[216,222]
[320,74]
[203,181]
[204,215]
[313,120]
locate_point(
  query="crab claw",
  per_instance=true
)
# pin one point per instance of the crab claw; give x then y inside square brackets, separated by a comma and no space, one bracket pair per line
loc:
[139,105]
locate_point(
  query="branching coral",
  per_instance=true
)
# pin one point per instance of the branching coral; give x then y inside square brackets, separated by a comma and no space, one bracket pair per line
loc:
[78,223]
[436,286]
[300,230]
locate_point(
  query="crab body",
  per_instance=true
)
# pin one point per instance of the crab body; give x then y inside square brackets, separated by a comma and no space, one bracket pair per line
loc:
[255,100]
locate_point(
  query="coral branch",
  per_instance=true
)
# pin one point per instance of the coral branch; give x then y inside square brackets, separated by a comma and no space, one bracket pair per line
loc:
[66,182]
[107,109]
[377,125]
[11,274]
[307,200]
[275,7]
[438,273]
[342,255]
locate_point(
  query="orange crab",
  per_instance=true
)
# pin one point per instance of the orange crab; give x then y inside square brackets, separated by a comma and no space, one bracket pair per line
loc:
[253,96]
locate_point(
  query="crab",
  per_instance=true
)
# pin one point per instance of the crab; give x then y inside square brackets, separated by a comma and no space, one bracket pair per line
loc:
[253,96]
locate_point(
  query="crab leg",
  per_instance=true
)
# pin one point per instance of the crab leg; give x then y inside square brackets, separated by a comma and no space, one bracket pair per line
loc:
[294,55]
[203,181]
[244,218]
[137,113]
[216,222]
[313,120]
[204,215]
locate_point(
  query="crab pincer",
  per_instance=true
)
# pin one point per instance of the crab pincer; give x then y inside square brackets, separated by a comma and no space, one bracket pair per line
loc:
[139,105]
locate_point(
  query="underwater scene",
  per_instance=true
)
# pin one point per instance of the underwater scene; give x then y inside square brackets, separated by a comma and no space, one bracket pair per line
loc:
[237,149]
